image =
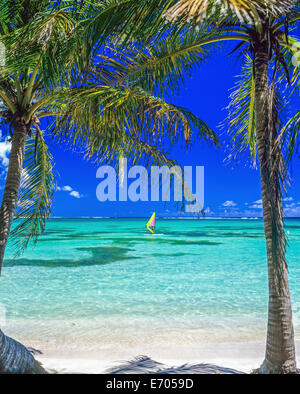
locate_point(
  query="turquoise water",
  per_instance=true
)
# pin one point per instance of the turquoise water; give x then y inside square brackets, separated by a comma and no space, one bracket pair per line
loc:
[91,281]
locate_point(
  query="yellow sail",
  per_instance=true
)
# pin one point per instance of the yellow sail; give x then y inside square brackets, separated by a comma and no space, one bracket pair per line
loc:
[151,223]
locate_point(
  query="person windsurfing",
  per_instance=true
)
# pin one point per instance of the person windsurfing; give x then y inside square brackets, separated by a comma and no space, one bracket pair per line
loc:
[151,224]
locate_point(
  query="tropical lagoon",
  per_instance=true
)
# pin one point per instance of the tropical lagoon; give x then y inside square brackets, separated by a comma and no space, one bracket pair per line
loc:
[97,291]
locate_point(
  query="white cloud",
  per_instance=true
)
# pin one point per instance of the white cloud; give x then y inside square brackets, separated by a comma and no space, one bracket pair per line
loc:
[67,188]
[291,208]
[75,194]
[292,211]
[256,206]
[4,152]
[291,205]
[257,202]
[229,203]
[70,190]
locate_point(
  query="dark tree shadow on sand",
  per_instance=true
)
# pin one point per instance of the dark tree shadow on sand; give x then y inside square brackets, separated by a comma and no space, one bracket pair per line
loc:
[145,365]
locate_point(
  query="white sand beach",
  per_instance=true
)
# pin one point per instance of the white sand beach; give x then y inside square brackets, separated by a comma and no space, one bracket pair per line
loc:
[204,358]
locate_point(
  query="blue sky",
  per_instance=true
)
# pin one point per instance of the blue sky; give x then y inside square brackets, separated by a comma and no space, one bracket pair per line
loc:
[228,191]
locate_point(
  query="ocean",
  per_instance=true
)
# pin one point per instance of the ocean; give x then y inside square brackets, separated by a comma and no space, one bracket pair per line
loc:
[107,285]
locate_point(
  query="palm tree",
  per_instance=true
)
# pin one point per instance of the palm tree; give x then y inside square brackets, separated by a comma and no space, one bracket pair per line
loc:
[263,31]
[98,98]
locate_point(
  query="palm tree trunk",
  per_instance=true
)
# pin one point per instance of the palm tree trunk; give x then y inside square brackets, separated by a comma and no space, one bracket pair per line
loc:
[12,186]
[280,347]
[16,359]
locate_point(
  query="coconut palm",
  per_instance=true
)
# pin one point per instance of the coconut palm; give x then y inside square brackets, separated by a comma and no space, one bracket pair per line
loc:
[97,98]
[263,31]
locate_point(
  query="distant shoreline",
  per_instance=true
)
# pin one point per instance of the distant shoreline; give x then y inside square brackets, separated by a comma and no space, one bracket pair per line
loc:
[163,218]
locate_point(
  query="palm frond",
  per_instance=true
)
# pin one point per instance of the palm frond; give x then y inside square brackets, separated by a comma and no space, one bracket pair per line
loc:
[35,201]
[160,66]
[139,20]
[291,54]
[218,10]
[101,117]
[288,138]
[241,119]
[276,112]
[134,149]
[39,48]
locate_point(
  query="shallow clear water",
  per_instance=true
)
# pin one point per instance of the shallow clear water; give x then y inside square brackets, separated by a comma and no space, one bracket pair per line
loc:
[90,281]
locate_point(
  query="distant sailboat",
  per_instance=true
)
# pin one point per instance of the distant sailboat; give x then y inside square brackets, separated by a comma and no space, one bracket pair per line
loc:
[151,224]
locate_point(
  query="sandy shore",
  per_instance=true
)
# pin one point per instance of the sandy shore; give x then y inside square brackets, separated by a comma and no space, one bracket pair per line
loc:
[242,357]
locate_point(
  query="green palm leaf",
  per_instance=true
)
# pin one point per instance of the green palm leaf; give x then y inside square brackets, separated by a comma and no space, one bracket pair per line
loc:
[106,114]
[241,119]
[161,65]
[291,53]
[35,201]
[288,139]
[39,48]
[245,11]
[139,20]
